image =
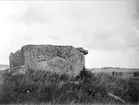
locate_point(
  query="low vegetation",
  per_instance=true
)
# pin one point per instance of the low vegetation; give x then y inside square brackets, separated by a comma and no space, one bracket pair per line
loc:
[86,88]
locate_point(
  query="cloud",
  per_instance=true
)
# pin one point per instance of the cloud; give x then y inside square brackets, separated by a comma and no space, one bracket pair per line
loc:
[137,8]
[42,40]
[115,40]
[35,15]
[108,41]
[97,25]
[40,13]
[135,13]
[132,39]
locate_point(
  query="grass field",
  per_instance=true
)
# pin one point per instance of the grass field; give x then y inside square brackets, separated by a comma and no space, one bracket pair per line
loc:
[44,88]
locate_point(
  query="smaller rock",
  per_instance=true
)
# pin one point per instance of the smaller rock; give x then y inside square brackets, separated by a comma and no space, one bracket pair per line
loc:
[85,52]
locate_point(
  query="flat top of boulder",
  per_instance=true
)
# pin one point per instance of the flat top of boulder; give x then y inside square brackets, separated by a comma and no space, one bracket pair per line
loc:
[52,47]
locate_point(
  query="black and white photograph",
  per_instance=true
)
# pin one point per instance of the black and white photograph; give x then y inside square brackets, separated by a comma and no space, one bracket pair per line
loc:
[69,52]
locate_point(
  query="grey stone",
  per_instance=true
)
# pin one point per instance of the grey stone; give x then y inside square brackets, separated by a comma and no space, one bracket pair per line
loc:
[22,69]
[59,59]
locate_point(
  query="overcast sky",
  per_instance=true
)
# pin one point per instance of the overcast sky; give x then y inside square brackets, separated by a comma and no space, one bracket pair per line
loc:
[109,30]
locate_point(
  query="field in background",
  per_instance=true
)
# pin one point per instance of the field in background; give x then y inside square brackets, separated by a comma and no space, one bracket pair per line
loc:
[3,67]
[120,72]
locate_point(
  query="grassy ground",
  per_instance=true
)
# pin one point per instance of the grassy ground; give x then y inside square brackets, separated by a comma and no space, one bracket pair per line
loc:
[65,104]
[87,88]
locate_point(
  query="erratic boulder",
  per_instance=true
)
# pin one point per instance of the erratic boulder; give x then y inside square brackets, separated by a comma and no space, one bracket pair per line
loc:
[59,59]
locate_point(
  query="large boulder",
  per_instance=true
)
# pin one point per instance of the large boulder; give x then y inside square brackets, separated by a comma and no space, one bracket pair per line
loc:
[59,59]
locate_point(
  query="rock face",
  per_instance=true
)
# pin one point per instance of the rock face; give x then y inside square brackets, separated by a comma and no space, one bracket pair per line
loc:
[59,59]
[19,70]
